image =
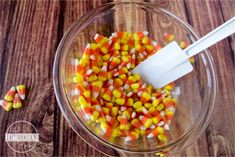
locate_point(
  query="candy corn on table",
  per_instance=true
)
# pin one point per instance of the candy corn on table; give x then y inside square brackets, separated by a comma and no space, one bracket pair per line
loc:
[29,35]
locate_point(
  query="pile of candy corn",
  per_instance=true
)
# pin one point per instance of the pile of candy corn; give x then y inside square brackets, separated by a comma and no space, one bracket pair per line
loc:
[115,100]
[13,98]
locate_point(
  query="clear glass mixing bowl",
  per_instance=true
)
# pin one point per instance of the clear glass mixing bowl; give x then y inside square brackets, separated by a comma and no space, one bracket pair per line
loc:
[198,89]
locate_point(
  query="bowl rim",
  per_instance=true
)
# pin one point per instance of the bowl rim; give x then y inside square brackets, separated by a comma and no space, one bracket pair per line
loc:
[61,96]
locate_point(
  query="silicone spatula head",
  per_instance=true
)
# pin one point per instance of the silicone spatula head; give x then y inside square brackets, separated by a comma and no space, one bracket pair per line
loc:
[165,66]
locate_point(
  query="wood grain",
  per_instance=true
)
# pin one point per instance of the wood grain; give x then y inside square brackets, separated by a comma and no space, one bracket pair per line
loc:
[28,41]
[29,35]
[228,11]
[222,126]
[199,148]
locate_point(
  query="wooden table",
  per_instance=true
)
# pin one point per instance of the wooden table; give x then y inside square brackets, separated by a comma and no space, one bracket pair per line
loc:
[29,35]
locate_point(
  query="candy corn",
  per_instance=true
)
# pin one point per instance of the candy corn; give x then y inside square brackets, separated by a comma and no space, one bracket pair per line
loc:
[124,124]
[132,136]
[140,35]
[17,104]
[21,89]
[155,132]
[145,97]
[96,87]
[169,37]
[7,106]
[10,94]
[100,39]
[146,121]
[113,99]
[108,94]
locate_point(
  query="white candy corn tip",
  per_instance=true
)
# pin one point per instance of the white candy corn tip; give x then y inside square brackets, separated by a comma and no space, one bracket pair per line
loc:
[123,108]
[76,91]
[116,74]
[153,98]
[108,118]
[104,129]
[139,93]
[111,87]
[111,58]
[133,56]
[132,51]
[88,46]
[114,34]
[111,37]
[127,139]
[164,95]
[152,126]
[13,88]
[89,72]
[144,110]
[142,127]
[129,94]
[161,123]
[150,135]
[166,127]
[22,96]
[172,108]
[96,36]
[76,62]
[126,86]
[92,57]
[104,68]
[87,116]
[1,102]
[144,85]
[141,55]
[162,113]
[128,66]
[98,108]
[145,33]
[141,117]
[154,43]
[85,83]
[110,82]
[133,114]
[95,94]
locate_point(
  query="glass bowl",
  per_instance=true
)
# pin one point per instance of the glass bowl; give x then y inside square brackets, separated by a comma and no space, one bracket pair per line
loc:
[197,90]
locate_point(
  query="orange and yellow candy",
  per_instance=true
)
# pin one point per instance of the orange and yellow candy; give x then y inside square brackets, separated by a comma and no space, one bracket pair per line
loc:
[118,102]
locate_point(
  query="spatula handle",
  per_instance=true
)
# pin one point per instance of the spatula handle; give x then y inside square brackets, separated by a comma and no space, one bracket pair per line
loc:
[211,38]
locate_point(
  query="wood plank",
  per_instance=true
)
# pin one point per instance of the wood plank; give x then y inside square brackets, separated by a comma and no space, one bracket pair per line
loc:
[228,11]
[207,15]
[199,148]
[68,143]
[27,46]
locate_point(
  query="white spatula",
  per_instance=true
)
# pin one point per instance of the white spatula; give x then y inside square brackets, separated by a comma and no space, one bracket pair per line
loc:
[171,62]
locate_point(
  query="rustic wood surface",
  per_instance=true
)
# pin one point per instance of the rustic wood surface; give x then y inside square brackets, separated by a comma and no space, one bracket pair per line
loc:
[29,35]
